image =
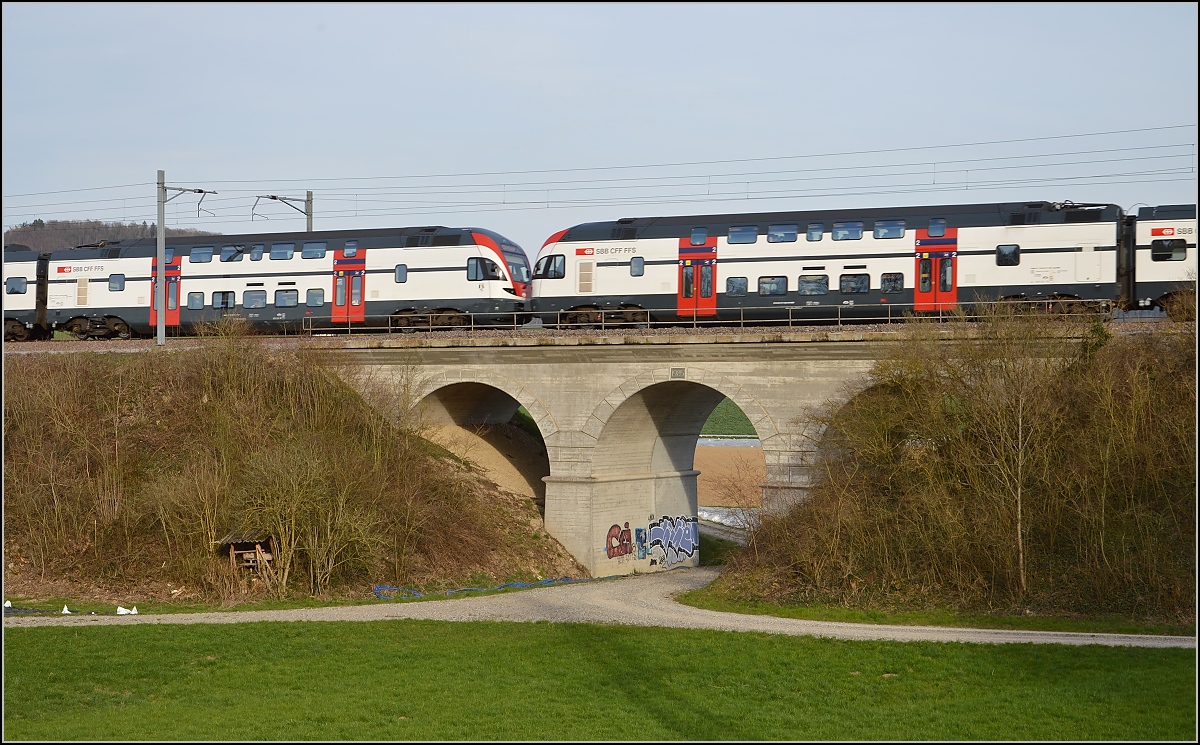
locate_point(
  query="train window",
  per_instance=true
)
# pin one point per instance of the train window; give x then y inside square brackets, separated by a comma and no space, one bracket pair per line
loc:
[314,298]
[744,234]
[736,286]
[1008,255]
[447,240]
[254,299]
[339,291]
[637,266]
[232,253]
[116,282]
[173,296]
[815,231]
[926,275]
[782,233]
[256,253]
[889,228]
[201,255]
[550,267]
[313,251]
[946,283]
[16,286]
[356,290]
[847,231]
[195,301]
[351,249]
[853,284]
[480,269]
[772,285]
[282,252]
[689,281]
[1174,249]
[699,236]
[169,255]
[891,282]
[223,300]
[937,227]
[401,273]
[812,284]
[287,298]
[706,280]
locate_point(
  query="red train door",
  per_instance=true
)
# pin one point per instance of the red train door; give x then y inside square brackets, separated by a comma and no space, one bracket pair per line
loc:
[173,271]
[349,283]
[937,271]
[697,289]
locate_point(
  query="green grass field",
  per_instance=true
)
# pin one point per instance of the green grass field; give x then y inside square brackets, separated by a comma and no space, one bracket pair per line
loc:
[727,420]
[438,680]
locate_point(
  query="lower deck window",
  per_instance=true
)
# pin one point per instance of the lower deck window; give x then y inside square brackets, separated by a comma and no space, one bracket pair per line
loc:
[736,286]
[772,285]
[891,282]
[223,300]
[287,298]
[254,299]
[812,284]
[315,298]
[195,301]
[851,284]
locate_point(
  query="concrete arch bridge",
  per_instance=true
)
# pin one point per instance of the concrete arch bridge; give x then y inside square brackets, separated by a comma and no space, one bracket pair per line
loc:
[620,418]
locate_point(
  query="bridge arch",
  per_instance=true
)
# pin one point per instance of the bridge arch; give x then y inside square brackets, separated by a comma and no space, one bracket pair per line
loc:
[480,396]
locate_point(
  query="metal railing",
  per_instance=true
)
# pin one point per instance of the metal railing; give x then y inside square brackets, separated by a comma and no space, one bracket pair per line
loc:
[768,316]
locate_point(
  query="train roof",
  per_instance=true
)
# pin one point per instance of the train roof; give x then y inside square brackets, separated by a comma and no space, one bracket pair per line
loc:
[368,238]
[1168,212]
[956,215]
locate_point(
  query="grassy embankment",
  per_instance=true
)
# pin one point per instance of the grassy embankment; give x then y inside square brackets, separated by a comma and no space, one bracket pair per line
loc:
[122,471]
[483,681]
[1010,481]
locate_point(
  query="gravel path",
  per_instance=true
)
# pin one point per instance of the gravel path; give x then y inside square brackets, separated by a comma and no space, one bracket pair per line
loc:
[640,600]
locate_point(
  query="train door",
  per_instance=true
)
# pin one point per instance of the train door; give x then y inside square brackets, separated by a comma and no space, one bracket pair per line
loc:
[937,271]
[173,275]
[349,280]
[697,289]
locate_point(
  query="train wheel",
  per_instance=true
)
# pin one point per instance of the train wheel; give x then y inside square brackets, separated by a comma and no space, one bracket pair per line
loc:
[15,331]
[119,329]
[78,327]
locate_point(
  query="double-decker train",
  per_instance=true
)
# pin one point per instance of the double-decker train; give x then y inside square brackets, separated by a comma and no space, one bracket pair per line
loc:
[861,263]
[732,268]
[399,278]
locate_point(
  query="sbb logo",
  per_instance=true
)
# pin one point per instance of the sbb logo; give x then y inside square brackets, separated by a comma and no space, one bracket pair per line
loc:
[64,270]
[1162,231]
[585,252]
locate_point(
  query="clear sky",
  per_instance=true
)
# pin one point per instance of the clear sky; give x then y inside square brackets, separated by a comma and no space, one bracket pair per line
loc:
[528,119]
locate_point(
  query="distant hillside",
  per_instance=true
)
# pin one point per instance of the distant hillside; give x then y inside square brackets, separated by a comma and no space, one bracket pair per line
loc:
[55,234]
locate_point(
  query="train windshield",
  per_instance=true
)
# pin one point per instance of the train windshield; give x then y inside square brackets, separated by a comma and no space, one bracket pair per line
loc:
[518,265]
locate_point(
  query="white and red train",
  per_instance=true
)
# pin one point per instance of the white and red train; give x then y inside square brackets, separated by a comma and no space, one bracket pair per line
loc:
[423,277]
[859,263]
[737,268]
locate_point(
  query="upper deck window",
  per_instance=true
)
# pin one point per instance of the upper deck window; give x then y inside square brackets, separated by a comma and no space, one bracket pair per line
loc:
[937,227]
[282,252]
[313,251]
[699,236]
[232,253]
[201,255]
[889,228]
[848,231]
[743,234]
[815,231]
[1174,249]
[782,233]
[351,249]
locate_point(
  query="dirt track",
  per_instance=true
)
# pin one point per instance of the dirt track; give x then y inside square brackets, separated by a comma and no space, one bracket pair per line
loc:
[639,600]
